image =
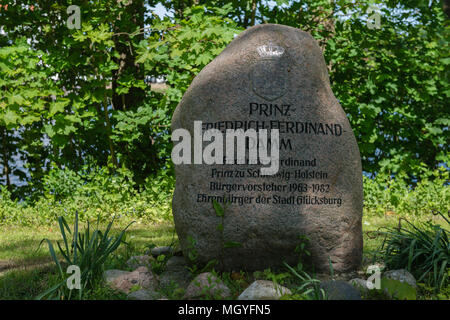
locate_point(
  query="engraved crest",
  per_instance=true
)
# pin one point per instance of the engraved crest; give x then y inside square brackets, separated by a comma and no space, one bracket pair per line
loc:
[269,74]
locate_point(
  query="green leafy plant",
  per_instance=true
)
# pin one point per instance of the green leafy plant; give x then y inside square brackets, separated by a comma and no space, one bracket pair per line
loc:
[302,251]
[308,287]
[385,195]
[429,293]
[236,281]
[220,213]
[87,250]
[269,274]
[192,252]
[159,264]
[424,250]
[398,290]
[194,267]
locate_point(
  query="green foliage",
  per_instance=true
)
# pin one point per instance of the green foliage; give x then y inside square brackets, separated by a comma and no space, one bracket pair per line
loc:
[424,250]
[192,252]
[78,97]
[429,293]
[83,91]
[385,194]
[398,290]
[271,275]
[159,264]
[393,84]
[87,250]
[25,87]
[95,193]
[236,281]
[307,287]
[302,251]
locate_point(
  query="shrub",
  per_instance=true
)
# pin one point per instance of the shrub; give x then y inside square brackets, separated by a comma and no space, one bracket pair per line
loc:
[383,194]
[95,194]
[424,250]
[86,250]
[308,288]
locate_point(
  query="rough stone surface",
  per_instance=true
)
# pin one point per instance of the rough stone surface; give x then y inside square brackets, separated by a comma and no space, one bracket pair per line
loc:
[240,86]
[143,295]
[176,264]
[207,285]
[401,275]
[139,261]
[263,290]
[344,276]
[178,278]
[141,277]
[376,266]
[340,290]
[176,273]
[166,250]
[111,275]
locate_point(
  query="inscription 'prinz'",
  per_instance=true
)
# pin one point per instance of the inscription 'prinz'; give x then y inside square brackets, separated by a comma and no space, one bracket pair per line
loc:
[270,110]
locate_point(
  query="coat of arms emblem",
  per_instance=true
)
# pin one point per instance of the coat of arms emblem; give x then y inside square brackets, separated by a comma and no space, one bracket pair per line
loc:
[269,74]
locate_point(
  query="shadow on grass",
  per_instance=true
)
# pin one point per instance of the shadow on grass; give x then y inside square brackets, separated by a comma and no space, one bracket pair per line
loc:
[27,283]
[26,271]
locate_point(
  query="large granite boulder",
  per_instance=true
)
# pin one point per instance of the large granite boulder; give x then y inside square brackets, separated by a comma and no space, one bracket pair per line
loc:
[270,77]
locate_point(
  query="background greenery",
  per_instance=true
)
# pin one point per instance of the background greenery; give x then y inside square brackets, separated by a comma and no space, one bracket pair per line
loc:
[76,109]
[82,129]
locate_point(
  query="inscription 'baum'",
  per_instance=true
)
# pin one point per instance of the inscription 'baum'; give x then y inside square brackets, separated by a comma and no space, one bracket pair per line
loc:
[213,152]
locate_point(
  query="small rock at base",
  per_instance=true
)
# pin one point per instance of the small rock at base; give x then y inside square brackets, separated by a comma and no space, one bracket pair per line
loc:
[139,261]
[141,277]
[401,275]
[264,290]
[340,290]
[181,278]
[142,295]
[157,251]
[207,285]
[176,264]
[110,275]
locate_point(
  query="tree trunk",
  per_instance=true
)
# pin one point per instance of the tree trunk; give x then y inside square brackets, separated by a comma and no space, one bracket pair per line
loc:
[446,7]
[5,158]
[252,22]
[132,19]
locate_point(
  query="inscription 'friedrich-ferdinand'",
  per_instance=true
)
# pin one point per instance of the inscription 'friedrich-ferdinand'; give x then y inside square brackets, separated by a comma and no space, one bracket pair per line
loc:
[298,127]
[273,110]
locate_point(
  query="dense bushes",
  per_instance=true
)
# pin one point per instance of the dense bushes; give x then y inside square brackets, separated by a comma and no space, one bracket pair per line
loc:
[70,97]
[95,194]
[423,250]
[98,193]
[88,249]
[385,195]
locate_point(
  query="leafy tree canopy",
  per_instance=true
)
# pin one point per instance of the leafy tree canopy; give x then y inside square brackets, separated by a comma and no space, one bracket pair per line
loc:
[73,98]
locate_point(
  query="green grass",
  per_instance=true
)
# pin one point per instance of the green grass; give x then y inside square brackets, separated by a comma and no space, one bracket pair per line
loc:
[373,239]
[25,271]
